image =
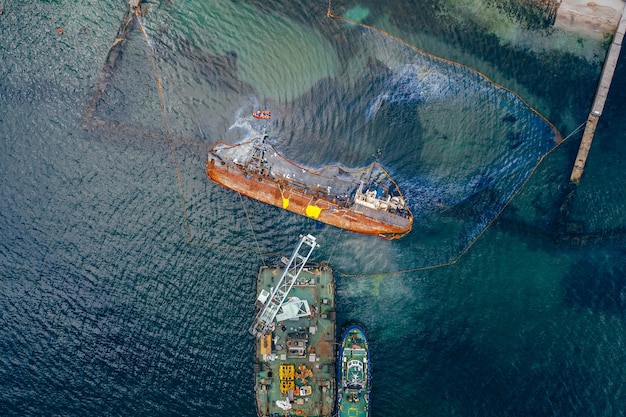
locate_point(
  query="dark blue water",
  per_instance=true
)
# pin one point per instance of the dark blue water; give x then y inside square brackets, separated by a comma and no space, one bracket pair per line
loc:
[127,277]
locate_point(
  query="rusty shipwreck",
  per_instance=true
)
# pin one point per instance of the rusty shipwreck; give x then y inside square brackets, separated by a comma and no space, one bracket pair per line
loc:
[366,201]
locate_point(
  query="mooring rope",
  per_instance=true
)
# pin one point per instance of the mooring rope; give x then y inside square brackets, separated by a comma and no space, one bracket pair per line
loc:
[332,249]
[167,129]
[573,132]
[251,228]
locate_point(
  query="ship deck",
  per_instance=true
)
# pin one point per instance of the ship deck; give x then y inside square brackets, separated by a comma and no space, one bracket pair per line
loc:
[353,399]
[331,181]
[308,378]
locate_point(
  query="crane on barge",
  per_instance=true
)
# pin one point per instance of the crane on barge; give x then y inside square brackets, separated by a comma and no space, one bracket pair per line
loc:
[271,303]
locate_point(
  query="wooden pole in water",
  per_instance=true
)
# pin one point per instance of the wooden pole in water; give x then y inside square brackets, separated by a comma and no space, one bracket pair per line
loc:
[598,103]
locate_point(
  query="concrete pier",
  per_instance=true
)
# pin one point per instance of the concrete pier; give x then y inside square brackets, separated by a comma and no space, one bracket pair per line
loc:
[600,98]
[586,18]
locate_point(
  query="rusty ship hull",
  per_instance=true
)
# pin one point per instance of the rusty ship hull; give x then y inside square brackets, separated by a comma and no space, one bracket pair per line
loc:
[328,195]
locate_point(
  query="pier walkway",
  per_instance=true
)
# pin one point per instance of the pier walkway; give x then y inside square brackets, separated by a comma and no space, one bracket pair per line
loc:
[598,103]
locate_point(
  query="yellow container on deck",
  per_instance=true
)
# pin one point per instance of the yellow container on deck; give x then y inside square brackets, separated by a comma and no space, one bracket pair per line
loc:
[286,372]
[286,386]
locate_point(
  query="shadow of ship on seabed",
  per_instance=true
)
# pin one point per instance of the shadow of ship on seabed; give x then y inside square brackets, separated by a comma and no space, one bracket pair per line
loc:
[108,67]
[221,69]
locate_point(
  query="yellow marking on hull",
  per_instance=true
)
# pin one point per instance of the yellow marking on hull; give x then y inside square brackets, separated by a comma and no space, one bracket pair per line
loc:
[313,212]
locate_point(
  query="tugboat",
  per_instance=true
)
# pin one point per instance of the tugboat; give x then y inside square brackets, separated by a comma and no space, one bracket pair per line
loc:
[294,362]
[353,374]
[365,201]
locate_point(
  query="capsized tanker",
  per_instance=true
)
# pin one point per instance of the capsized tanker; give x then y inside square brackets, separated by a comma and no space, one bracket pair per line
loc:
[366,201]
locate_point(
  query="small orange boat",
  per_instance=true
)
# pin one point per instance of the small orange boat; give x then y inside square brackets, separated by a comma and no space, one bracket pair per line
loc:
[262,114]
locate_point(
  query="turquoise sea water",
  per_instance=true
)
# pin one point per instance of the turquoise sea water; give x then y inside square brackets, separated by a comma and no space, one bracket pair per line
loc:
[127,277]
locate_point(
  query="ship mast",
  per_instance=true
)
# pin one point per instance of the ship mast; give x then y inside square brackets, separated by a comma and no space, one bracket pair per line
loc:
[376,157]
[263,322]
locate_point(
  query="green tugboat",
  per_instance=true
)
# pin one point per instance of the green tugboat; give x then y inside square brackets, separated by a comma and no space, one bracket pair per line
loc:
[353,374]
[294,364]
